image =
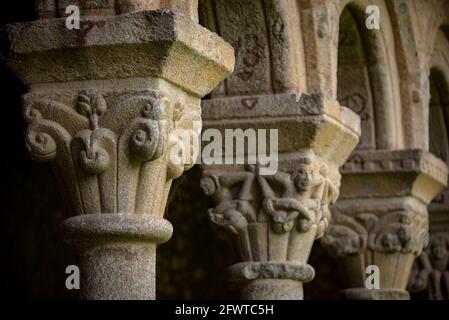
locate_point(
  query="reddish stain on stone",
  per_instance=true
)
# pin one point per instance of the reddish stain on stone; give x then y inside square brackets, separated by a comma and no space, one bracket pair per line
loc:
[85,28]
[249,103]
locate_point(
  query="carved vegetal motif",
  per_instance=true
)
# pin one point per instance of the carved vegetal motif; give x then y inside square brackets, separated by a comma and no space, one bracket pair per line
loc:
[294,202]
[396,231]
[108,151]
[431,269]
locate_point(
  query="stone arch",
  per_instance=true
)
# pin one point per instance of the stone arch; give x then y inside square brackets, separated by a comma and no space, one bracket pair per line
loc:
[367,76]
[267,45]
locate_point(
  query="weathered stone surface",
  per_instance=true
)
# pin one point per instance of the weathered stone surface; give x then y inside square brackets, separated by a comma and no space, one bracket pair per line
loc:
[57,8]
[152,44]
[104,102]
[103,108]
[381,294]
[429,276]
[383,173]
[271,270]
[117,253]
[303,121]
[274,219]
[381,218]
[430,273]
[272,289]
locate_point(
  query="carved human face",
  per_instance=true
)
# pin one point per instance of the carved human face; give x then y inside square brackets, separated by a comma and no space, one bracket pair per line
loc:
[439,247]
[303,177]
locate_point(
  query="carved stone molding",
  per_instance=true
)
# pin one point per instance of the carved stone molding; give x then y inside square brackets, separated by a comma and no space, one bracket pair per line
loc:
[381,218]
[430,272]
[274,219]
[105,108]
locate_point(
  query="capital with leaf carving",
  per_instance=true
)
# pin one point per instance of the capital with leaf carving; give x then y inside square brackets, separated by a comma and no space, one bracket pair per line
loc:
[103,107]
[430,272]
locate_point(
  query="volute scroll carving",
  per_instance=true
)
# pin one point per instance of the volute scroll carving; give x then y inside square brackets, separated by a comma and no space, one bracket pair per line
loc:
[110,148]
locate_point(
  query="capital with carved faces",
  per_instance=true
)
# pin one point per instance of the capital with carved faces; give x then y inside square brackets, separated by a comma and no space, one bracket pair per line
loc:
[274,219]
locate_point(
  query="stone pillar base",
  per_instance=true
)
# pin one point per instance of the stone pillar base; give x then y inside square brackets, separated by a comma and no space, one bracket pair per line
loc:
[372,294]
[117,253]
[271,280]
[273,289]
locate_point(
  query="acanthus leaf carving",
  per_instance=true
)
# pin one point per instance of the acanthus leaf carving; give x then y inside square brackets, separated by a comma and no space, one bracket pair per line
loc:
[101,144]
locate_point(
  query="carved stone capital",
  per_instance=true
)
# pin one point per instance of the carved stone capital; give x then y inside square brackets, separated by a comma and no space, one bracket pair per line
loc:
[111,149]
[105,107]
[274,219]
[381,218]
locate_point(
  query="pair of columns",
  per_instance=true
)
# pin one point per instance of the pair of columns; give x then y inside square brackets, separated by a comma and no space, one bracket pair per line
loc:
[103,107]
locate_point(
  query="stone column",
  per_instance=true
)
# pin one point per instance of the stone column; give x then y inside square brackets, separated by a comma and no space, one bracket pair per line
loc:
[285,79]
[381,219]
[105,106]
[274,217]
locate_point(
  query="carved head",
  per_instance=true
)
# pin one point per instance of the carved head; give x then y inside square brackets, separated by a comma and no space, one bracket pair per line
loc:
[304,176]
[439,246]
[208,184]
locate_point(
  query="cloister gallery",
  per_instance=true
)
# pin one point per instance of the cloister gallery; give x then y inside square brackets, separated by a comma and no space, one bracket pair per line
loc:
[361,115]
